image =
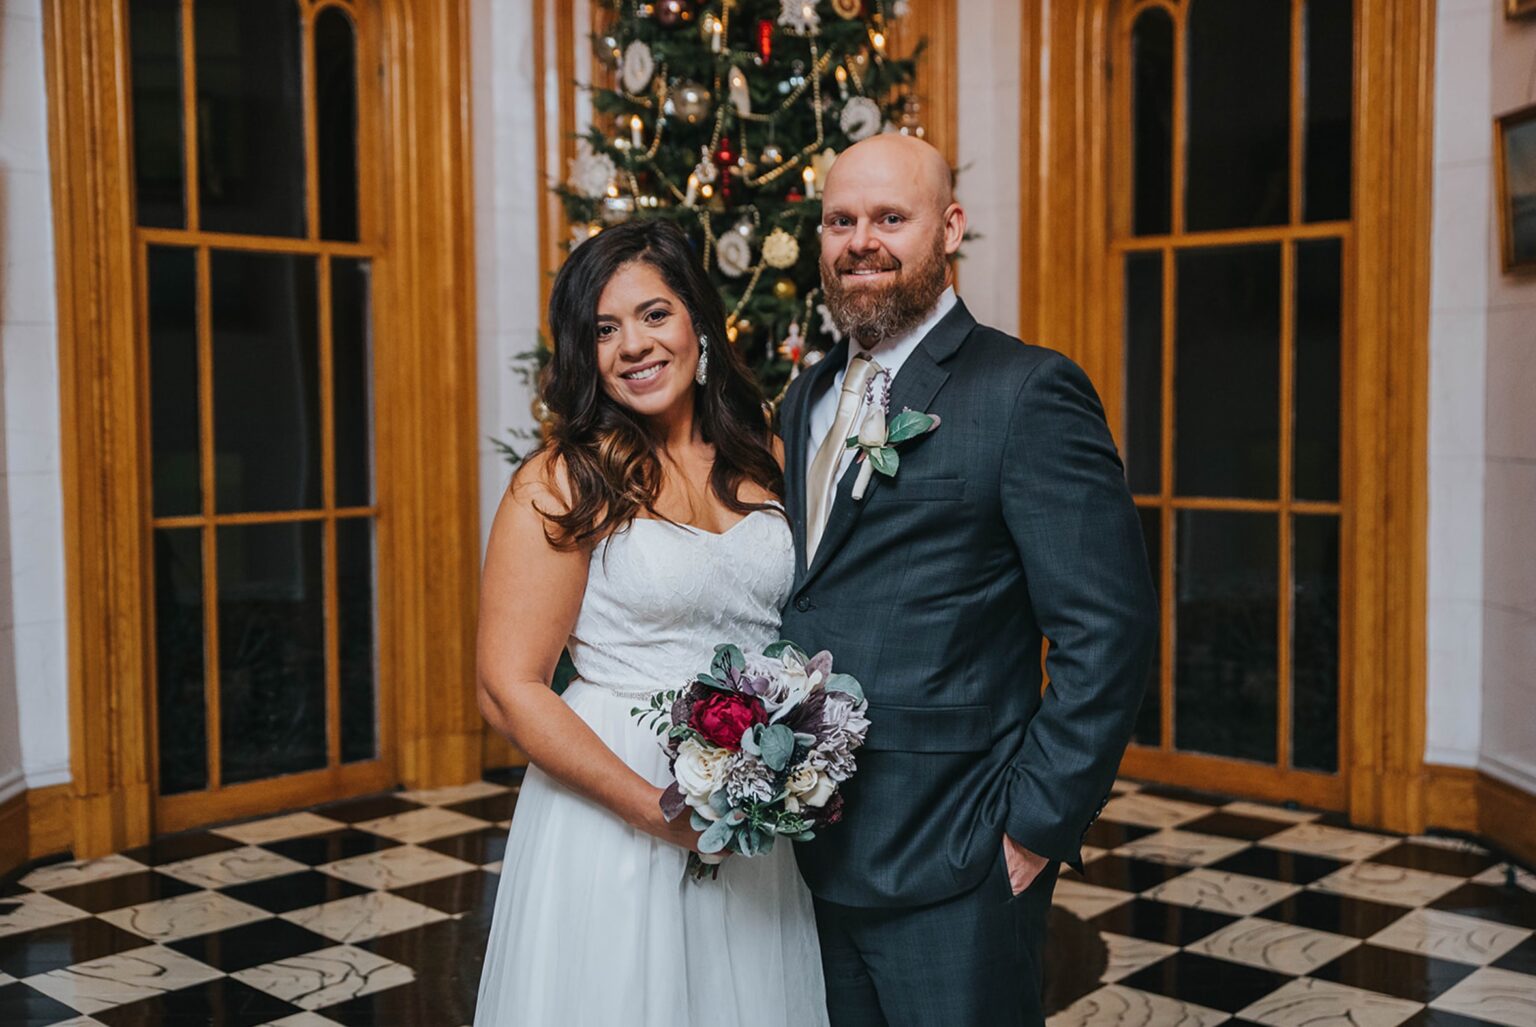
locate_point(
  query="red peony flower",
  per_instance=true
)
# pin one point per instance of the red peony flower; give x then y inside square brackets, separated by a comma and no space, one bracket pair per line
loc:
[722,718]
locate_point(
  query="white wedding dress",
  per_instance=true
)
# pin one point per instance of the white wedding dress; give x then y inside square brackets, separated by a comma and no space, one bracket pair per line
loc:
[595,923]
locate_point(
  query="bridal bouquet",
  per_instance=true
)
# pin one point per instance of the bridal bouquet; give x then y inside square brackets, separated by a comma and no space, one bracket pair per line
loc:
[758,746]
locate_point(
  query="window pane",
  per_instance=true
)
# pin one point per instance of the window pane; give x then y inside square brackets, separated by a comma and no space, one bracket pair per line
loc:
[271,650]
[1330,108]
[266,391]
[336,115]
[179,646]
[1225,666]
[352,371]
[173,393]
[1315,644]
[354,586]
[1239,88]
[250,116]
[1319,317]
[159,173]
[1228,372]
[1144,372]
[1149,721]
[1152,114]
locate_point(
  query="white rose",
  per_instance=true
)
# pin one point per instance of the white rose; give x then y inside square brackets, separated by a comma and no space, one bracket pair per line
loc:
[873,432]
[699,771]
[810,787]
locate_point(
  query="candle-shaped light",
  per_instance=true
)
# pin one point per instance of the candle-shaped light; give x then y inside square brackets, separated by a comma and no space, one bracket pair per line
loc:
[809,175]
[877,38]
[635,138]
[842,81]
[715,29]
[692,195]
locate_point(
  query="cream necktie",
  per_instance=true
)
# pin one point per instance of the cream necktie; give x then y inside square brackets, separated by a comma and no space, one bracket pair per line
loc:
[821,481]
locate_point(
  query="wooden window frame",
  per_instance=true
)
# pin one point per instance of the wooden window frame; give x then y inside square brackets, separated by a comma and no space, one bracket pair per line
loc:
[425,435]
[1068,186]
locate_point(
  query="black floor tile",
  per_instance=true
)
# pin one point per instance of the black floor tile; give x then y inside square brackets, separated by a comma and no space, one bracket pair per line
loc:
[446,950]
[1436,860]
[405,1006]
[1390,972]
[1160,921]
[293,891]
[1185,795]
[354,811]
[1109,834]
[251,944]
[1340,914]
[21,1006]
[331,846]
[224,1002]
[1132,875]
[123,890]
[1521,958]
[494,808]
[174,848]
[474,891]
[486,845]
[1513,906]
[1235,825]
[1275,865]
[61,945]
[1440,1018]
[1213,983]
[511,777]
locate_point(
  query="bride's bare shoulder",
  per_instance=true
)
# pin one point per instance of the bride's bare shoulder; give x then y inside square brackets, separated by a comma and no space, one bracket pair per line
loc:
[542,483]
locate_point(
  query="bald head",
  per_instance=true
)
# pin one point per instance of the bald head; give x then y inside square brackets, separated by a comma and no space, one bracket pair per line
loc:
[891,160]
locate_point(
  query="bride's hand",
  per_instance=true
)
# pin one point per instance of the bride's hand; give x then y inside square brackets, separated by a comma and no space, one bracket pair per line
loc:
[675,832]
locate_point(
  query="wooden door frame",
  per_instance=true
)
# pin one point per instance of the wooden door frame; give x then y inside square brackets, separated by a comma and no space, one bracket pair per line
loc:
[425,432]
[1064,249]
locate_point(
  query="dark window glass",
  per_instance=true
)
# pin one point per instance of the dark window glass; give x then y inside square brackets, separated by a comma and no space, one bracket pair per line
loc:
[1319,318]
[336,119]
[173,392]
[179,647]
[1149,720]
[1144,372]
[352,375]
[1239,101]
[354,588]
[272,717]
[1225,666]
[266,388]
[1329,109]
[1226,440]
[1315,644]
[1152,118]
[159,171]
[250,92]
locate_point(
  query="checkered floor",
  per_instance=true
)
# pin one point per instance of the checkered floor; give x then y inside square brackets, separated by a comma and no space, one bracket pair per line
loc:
[374,911]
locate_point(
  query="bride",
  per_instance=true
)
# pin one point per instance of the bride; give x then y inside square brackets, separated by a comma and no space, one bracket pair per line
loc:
[646,530]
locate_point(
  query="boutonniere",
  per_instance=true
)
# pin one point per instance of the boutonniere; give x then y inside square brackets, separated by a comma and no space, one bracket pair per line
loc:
[877,441]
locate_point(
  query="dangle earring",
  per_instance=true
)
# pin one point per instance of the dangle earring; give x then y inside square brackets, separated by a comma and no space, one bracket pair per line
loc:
[701,375]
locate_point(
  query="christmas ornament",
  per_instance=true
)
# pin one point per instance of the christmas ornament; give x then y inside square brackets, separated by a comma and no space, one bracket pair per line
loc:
[591,173]
[793,347]
[705,170]
[690,101]
[780,250]
[799,16]
[771,155]
[848,9]
[822,164]
[672,13]
[741,96]
[606,49]
[744,229]
[764,40]
[725,159]
[860,118]
[733,254]
[784,289]
[638,67]
[714,31]
[900,8]
[617,209]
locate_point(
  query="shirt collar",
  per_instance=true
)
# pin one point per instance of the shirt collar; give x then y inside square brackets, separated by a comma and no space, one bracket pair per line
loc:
[893,352]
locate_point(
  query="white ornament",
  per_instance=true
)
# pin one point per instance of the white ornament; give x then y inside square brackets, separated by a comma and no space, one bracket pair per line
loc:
[799,16]
[900,8]
[860,118]
[733,254]
[591,173]
[705,170]
[828,323]
[780,250]
[822,162]
[741,97]
[638,67]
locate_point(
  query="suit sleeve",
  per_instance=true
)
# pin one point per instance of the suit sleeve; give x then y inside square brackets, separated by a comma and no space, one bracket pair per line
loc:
[1078,536]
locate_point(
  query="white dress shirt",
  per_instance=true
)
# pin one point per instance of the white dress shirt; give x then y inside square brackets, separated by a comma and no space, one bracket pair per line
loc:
[890,355]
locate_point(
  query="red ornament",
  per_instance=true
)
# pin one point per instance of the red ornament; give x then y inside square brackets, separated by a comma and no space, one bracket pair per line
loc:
[764,39]
[672,13]
[794,196]
[725,160]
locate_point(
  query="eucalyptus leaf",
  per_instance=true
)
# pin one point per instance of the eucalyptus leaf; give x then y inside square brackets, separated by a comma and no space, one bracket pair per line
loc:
[751,740]
[720,802]
[908,424]
[804,836]
[776,650]
[735,817]
[715,837]
[777,744]
[885,460]
[672,802]
[728,662]
[710,681]
[698,822]
[845,683]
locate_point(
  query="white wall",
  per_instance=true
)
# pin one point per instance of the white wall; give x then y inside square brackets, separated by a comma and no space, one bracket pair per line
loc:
[34,717]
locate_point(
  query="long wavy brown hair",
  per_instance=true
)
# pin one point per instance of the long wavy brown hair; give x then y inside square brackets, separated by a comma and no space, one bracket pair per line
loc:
[609,452]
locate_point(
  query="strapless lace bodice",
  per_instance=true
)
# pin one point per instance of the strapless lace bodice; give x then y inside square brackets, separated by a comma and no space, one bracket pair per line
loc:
[660,597]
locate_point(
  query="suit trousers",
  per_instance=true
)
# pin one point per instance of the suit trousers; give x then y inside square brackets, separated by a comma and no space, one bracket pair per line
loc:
[971,960]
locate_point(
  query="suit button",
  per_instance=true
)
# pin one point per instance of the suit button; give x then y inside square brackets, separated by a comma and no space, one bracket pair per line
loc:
[802,604]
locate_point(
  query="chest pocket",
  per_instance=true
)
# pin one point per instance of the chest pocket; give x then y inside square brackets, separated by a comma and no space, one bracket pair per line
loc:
[915,489]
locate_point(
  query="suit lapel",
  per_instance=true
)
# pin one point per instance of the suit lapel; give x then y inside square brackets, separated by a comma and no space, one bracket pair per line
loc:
[797,431]
[916,384]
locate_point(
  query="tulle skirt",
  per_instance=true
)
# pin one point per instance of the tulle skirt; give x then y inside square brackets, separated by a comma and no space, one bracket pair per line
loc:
[596,924]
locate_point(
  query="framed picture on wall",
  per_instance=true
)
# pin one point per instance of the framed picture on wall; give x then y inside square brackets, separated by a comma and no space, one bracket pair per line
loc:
[1519,8]
[1514,144]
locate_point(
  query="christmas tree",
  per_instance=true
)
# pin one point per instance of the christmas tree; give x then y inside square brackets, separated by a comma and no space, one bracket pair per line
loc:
[724,116]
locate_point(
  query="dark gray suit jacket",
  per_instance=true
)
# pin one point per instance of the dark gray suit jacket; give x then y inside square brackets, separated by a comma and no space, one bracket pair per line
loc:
[1010,523]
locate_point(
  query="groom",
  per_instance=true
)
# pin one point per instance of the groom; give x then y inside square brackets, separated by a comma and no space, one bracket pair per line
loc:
[1009,524]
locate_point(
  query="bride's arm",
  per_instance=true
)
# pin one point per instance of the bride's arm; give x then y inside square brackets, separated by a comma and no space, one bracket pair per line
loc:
[530,594]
